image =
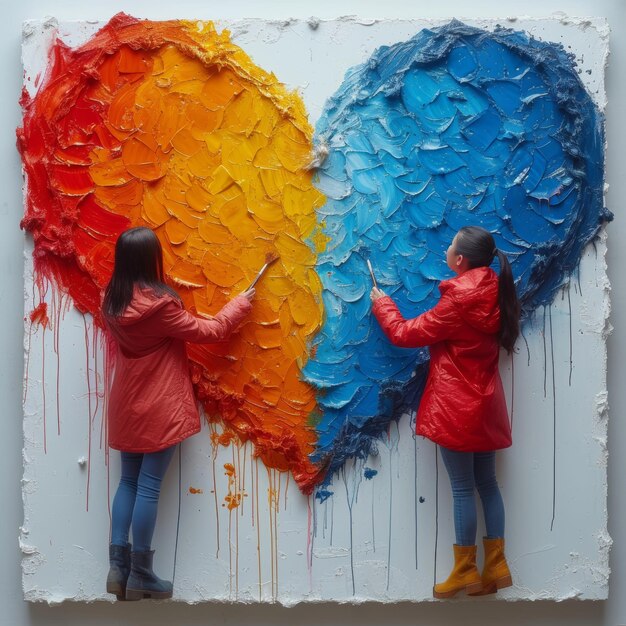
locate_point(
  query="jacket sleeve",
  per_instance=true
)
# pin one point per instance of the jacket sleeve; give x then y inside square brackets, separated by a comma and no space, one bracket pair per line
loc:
[178,323]
[430,327]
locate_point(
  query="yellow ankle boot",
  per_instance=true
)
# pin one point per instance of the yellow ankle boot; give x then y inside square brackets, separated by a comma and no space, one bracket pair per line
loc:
[464,576]
[496,574]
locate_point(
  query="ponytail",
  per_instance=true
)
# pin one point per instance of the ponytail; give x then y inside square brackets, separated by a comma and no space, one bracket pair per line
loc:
[509,304]
[478,246]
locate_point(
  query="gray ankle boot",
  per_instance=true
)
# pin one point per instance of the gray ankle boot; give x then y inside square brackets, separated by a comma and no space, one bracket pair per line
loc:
[143,582]
[119,561]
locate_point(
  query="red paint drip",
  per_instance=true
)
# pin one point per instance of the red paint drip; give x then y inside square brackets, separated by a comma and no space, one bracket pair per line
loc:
[89,417]
[27,363]
[56,314]
[39,315]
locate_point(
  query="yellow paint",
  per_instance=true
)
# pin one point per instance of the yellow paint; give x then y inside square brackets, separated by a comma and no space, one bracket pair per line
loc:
[211,151]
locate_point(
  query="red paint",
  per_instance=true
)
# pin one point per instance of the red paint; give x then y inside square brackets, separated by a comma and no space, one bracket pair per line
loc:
[39,315]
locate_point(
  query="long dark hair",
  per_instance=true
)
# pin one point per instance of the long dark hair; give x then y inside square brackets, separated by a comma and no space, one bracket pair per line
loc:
[138,261]
[479,248]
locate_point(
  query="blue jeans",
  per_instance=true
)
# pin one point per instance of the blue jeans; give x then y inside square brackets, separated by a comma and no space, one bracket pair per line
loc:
[137,498]
[468,470]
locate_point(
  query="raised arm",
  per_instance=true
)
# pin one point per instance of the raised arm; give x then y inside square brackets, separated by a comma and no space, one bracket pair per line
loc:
[176,322]
[431,327]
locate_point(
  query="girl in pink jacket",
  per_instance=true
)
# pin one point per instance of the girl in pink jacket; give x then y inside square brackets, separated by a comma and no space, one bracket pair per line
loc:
[151,404]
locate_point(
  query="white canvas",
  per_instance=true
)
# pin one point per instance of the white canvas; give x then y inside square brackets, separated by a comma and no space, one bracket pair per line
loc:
[384,539]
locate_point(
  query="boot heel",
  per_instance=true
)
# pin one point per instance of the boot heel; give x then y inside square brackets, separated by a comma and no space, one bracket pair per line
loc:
[505,581]
[134,594]
[474,588]
[145,594]
[117,590]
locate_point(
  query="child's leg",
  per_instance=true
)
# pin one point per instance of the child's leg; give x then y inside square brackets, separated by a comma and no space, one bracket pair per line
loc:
[153,468]
[487,485]
[124,500]
[460,466]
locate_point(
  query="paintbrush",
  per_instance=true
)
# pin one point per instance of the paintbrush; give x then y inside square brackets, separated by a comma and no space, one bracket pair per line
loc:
[270,257]
[369,267]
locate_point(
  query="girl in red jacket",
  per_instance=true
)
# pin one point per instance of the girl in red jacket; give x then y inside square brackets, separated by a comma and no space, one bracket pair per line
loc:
[151,405]
[463,408]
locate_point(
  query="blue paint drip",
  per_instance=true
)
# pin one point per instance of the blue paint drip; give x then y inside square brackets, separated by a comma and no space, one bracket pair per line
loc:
[455,126]
[369,473]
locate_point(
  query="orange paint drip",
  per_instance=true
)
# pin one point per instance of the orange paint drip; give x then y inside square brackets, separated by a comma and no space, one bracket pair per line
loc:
[170,125]
[214,436]
[224,438]
[234,496]
[195,491]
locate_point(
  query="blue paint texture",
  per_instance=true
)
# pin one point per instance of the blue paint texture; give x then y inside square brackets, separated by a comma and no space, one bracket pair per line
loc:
[455,126]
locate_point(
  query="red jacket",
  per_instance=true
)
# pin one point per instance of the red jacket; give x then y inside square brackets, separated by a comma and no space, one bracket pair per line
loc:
[151,403]
[463,407]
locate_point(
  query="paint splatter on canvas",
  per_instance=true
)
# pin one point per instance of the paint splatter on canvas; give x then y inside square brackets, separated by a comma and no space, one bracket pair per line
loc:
[172,126]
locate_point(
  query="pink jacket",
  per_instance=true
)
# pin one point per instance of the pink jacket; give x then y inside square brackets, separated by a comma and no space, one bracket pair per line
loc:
[463,407]
[151,403]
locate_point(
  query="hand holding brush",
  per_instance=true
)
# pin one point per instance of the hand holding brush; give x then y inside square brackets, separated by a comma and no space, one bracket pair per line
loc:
[270,257]
[376,293]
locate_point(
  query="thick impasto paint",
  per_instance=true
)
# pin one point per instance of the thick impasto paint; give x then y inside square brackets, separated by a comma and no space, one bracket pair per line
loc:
[169,125]
[305,483]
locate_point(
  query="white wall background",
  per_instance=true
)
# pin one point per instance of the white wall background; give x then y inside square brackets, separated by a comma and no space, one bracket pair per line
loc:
[16,612]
